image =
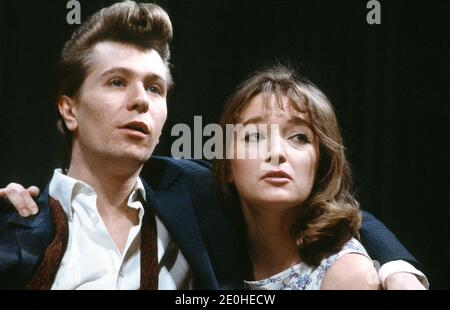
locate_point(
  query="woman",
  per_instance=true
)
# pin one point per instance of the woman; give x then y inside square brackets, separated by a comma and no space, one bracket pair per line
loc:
[286,168]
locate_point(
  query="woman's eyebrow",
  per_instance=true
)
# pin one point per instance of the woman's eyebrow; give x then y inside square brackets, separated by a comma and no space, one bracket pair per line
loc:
[293,120]
[255,120]
[296,120]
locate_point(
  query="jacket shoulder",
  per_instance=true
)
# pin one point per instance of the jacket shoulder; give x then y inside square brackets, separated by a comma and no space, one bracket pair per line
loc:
[22,242]
[163,173]
[184,165]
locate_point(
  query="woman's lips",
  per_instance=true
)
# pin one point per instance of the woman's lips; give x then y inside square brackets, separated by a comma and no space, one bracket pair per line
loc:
[276,177]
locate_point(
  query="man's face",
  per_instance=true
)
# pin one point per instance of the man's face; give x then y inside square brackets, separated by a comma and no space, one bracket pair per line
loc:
[122,107]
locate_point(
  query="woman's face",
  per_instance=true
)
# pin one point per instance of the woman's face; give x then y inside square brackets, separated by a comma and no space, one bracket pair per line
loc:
[275,155]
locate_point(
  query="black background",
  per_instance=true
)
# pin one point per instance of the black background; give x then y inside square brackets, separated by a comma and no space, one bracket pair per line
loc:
[388,83]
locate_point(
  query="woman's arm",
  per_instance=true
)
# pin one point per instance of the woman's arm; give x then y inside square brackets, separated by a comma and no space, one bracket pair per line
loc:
[351,272]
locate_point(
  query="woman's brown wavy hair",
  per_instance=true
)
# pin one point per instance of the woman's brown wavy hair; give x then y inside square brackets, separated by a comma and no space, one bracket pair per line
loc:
[330,216]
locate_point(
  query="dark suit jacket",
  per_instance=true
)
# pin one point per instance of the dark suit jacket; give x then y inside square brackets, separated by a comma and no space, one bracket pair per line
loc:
[181,194]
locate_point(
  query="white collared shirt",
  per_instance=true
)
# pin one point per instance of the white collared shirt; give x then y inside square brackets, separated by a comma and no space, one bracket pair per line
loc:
[92,259]
[401,266]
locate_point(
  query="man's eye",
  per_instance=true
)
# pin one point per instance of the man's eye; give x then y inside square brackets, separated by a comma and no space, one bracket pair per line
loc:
[300,138]
[117,83]
[254,137]
[155,89]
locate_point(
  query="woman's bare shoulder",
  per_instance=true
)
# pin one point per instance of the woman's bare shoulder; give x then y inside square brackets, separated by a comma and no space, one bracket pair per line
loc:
[352,271]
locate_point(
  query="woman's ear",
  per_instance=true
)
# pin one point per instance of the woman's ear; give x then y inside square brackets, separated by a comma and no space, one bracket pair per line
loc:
[66,107]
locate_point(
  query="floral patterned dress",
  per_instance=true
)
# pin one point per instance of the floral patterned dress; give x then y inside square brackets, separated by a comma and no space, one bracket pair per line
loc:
[303,276]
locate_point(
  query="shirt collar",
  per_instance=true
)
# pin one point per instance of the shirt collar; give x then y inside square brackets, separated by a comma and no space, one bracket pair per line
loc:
[138,190]
[137,198]
[65,188]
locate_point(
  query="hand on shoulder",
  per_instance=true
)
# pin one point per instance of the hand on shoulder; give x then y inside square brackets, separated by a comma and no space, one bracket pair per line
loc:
[351,272]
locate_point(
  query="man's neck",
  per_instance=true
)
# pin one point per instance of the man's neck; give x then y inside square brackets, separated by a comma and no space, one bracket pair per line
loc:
[112,182]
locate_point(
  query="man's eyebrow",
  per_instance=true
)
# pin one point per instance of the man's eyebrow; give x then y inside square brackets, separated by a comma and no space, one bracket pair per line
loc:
[126,71]
[117,70]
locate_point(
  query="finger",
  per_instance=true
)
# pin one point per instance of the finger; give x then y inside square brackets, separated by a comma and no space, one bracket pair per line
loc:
[34,191]
[30,204]
[16,201]
[21,200]
[2,193]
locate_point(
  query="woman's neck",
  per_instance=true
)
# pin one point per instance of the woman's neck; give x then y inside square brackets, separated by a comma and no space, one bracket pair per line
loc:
[271,246]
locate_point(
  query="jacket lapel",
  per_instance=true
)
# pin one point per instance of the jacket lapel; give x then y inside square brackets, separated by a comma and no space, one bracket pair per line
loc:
[174,208]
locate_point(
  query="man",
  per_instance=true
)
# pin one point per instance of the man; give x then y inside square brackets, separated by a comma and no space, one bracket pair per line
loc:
[164,233]
[114,79]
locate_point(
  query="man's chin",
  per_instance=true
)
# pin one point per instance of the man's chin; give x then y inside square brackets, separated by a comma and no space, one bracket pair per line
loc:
[132,158]
[139,154]
[139,159]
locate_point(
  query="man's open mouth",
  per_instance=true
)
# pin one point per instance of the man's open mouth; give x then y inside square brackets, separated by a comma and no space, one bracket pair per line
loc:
[138,126]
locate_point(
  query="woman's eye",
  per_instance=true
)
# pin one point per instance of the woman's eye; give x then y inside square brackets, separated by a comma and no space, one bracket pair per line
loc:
[117,83]
[254,137]
[155,89]
[300,138]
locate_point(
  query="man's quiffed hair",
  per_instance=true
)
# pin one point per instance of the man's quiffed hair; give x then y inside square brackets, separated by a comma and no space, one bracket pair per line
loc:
[143,25]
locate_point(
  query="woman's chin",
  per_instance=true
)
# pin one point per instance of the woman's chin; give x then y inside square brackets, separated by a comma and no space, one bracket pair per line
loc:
[278,202]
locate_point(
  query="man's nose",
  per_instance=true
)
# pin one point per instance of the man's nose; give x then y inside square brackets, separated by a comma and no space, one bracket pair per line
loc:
[139,100]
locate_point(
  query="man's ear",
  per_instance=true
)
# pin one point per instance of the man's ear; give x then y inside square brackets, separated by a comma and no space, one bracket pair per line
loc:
[66,107]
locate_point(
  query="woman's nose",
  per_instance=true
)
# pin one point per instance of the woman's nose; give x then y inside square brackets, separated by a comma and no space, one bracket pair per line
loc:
[276,154]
